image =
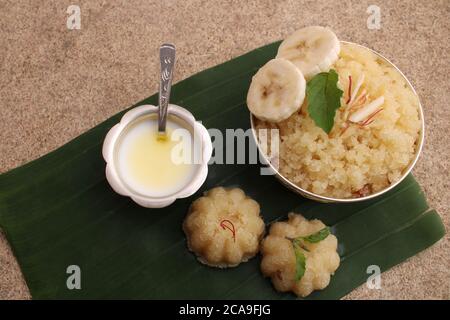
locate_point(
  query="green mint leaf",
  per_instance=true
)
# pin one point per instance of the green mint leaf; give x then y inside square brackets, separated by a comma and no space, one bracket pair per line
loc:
[300,261]
[318,236]
[324,98]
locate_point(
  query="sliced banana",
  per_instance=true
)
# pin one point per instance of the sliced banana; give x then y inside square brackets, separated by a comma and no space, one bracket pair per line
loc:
[277,91]
[312,49]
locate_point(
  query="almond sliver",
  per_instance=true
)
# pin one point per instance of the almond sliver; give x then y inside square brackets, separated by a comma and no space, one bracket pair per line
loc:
[356,89]
[362,113]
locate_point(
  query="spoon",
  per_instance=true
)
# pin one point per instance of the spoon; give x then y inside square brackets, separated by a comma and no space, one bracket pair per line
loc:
[167,59]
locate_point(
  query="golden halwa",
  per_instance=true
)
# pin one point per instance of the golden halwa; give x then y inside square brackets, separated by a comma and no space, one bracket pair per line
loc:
[224,227]
[359,160]
[279,262]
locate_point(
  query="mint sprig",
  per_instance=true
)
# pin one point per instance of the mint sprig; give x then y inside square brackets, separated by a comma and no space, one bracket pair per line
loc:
[324,98]
[300,262]
[318,236]
[297,244]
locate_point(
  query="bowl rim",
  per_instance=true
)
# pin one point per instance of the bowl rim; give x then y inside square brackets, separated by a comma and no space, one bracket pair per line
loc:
[311,195]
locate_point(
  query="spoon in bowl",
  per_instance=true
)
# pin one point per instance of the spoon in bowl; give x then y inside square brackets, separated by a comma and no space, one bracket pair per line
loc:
[167,59]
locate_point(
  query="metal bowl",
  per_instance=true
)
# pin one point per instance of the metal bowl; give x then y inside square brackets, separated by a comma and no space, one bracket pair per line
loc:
[320,198]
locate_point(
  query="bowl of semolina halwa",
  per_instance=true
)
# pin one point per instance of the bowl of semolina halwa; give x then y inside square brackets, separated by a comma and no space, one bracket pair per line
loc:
[374,143]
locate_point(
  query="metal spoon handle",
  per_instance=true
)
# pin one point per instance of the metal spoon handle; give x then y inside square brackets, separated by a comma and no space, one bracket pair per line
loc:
[167,59]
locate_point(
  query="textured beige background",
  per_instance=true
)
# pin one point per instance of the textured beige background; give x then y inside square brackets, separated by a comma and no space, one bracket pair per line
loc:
[56,83]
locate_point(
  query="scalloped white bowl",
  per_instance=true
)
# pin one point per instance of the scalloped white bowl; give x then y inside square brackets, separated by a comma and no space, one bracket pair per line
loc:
[112,174]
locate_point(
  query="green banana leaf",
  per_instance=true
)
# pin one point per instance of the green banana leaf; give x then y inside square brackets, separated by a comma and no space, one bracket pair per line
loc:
[59,211]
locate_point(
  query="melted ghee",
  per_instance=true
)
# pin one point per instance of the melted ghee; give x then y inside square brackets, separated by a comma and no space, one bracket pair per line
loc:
[151,164]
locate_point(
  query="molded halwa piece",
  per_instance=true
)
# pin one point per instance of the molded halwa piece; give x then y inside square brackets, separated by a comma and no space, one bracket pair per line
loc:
[279,262]
[224,227]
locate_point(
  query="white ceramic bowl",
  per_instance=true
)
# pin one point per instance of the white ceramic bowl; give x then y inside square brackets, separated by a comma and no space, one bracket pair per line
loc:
[121,188]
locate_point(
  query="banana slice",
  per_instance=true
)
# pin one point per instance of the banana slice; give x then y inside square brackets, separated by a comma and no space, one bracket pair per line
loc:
[277,91]
[312,49]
